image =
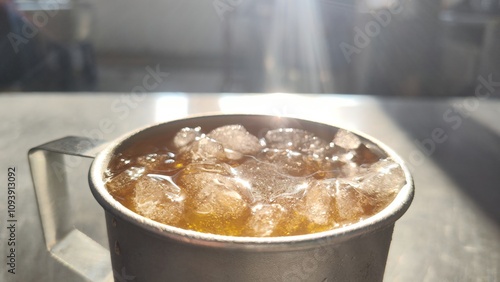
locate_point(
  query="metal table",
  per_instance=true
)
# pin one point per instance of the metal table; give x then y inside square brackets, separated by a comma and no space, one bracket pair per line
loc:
[450,233]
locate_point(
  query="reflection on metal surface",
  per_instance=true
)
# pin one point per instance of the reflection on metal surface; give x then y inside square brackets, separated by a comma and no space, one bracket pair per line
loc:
[66,243]
[84,256]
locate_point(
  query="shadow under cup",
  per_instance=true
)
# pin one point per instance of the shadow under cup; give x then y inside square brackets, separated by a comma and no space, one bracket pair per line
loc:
[144,250]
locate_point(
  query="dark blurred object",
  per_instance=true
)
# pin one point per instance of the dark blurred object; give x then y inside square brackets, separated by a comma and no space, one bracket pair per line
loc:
[400,54]
[481,6]
[18,54]
[469,45]
[42,49]
[487,6]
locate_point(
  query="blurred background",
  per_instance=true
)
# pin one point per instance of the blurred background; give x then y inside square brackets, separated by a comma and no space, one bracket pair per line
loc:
[380,47]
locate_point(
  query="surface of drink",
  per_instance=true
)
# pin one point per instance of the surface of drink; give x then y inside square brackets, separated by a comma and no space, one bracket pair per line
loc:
[230,182]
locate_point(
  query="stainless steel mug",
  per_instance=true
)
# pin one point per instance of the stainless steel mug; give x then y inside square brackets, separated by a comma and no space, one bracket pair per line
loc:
[145,250]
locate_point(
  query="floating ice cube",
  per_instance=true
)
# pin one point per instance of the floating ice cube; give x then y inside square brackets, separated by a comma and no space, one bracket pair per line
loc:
[294,139]
[349,170]
[286,161]
[265,219]
[351,203]
[317,204]
[198,175]
[203,149]
[124,179]
[297,152]
[346,139]
[353,159]
[233,155]
[325,168]
[159,198]
[285,138]
[186,136]
[218,208]
[383,179]
[220,202]
[364,155]
[236,138]
[209,167]
[267,182]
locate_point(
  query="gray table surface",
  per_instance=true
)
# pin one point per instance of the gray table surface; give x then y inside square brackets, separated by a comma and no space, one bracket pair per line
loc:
[450,233]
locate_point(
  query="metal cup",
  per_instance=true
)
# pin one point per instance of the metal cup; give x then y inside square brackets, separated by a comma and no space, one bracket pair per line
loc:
[145,250]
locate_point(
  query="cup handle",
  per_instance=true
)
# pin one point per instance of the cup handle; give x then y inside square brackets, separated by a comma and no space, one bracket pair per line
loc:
[66,243]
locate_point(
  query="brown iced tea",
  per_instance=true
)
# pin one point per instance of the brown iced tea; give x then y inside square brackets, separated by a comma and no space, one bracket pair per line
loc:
[229,182]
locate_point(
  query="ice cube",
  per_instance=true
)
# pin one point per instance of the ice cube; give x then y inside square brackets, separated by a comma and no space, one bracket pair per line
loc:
[233,155]
[317,204]
[208,167]
[185,136]
[124,179]
[301,164]
[363,155]
[350,170]
[324,167]
[214,168]
[159,198]
[267,182]
[352,204]
[265,219]
[198,175]
[219,202]
[294,139]
[286,161]
[203,149]
[346,139]
[236,138]
[217,208]
[383,179]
